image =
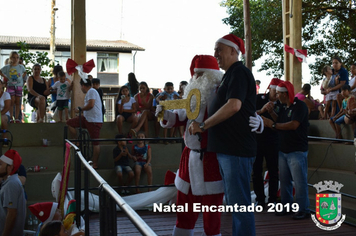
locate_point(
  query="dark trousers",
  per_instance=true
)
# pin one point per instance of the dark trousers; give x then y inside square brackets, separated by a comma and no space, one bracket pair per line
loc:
[269,152]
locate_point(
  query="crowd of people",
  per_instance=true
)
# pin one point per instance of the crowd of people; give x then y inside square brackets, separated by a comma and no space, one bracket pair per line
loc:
[136,104]
[340,92]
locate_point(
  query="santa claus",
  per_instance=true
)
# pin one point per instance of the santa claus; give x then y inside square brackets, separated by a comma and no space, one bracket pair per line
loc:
[198,179]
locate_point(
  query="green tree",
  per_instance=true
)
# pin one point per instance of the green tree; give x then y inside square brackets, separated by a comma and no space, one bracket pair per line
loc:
[31,58]
[328,29]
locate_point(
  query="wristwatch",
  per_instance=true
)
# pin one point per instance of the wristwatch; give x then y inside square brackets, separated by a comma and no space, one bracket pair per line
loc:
[201,126]
[274,125]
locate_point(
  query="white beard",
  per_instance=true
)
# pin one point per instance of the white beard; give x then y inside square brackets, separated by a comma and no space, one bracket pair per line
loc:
[206,84]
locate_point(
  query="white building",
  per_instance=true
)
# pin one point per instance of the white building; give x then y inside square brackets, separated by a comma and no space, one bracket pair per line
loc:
[114,60]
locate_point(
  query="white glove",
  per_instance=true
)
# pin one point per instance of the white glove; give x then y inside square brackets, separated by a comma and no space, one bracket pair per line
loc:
[255,123]
[159,109]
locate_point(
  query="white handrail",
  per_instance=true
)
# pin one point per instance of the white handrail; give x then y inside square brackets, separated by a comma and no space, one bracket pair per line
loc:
[140,224]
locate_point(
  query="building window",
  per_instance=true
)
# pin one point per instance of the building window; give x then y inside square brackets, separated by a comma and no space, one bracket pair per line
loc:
[5,53]
[61,58]
[109,103]
[107,62]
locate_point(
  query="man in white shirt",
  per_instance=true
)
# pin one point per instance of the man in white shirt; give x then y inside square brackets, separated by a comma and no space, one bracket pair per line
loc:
[91,119]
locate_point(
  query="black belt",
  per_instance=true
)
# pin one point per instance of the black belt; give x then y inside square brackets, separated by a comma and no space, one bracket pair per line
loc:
[201,151]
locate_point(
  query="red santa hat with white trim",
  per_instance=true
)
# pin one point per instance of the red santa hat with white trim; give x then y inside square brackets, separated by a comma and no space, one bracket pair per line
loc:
[201,63]
[44,211]
[274,83]
[12,158]
[287,86]
[233,41]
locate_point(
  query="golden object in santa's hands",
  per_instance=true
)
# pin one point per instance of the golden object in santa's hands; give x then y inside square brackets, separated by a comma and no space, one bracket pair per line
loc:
[182,104]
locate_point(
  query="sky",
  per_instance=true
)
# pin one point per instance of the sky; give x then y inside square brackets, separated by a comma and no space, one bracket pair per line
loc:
[171,31]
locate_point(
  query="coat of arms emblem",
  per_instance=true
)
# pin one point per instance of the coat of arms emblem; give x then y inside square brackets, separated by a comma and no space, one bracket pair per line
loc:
[328,206]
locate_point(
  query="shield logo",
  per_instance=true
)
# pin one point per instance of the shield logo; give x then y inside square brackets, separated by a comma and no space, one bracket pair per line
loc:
[276,109]
[328,208]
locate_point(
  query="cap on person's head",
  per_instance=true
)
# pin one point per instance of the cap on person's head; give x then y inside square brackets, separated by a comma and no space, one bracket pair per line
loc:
[287,86]
[233,41]
[95,81]
[201,63]
[274,83]
[44,211]
[13,158]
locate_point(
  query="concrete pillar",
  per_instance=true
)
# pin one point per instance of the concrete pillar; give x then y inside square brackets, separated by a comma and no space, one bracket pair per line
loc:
[78,49]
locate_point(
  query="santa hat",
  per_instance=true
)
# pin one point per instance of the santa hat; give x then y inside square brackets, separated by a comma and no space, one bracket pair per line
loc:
[44,211]
[274,83]
[201,63]
[233,41]
[169,177]
[287,86]
[12,157]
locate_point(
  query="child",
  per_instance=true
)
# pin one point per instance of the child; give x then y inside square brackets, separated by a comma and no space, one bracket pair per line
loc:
[121,157]
[352,82]
[339,118]
[142,152]
[63,88]
[126,109]
[96,86]
[143,105]
[14,75]
[153,109]
[182,86]
[327,85]
[167,94]
[258,82]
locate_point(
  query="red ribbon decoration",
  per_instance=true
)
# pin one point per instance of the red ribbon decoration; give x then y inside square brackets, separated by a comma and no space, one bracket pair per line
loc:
[301,54]
[87,66]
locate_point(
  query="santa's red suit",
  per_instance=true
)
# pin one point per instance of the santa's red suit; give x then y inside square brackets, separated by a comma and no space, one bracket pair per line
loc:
[198,179]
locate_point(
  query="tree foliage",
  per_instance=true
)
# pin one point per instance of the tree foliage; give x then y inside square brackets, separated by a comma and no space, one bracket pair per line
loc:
[30,58]
[328,29]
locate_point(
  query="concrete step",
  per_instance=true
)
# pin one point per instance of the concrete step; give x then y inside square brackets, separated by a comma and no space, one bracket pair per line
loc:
[38,185]
[32,134]
[336,156]
[347,178]
[322,128]
[164,157]
[52,157]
